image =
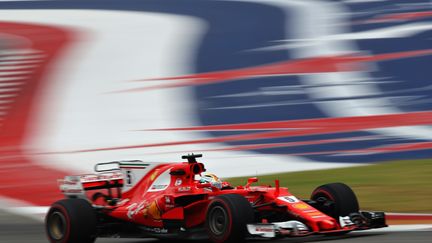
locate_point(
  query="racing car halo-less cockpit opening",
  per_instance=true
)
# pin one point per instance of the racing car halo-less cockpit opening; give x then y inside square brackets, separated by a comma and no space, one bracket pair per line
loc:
[212,179]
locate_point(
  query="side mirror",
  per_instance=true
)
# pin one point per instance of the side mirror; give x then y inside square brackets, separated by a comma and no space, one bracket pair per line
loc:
[250,181]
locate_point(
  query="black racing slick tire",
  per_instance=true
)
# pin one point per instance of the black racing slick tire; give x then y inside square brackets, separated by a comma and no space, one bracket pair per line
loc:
[71,221]
[335,200]
[227,218]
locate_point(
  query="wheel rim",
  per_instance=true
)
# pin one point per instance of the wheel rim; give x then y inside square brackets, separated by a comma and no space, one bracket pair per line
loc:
[57,225]
[327,203]
[218,220]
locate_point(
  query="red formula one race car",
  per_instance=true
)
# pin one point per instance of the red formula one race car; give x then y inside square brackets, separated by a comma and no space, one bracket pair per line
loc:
[177,200]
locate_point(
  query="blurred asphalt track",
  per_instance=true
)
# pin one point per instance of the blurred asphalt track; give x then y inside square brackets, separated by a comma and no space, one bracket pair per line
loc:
[18,229]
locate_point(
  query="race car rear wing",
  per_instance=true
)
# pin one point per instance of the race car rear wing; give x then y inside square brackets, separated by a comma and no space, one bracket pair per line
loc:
[122,175]
[76,186]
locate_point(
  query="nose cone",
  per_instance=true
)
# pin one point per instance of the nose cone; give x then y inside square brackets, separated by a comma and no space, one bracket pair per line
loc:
[327,225]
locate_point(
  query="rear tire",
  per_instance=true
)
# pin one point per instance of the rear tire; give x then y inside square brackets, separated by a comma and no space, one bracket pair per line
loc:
[335,200]
[227,218]
[71,221]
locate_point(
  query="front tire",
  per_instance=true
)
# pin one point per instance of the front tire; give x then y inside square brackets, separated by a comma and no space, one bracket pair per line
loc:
[227,218]
[335,200]
[71,221]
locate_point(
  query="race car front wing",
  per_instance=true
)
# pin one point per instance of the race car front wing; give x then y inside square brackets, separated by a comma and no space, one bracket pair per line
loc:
[294,228]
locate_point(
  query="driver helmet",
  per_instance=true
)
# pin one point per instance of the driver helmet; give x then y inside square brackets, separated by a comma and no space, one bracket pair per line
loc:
[212,179]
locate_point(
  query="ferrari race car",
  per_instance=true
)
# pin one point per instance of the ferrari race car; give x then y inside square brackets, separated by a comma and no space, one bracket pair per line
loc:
[136,199]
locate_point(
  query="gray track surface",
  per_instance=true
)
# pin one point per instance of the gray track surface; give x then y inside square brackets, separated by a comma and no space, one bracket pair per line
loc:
[18,229]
